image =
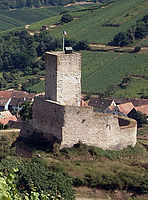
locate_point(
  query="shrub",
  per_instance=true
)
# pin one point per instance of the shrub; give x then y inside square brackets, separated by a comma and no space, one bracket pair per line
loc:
[137,49]
[35,172]
[66,18]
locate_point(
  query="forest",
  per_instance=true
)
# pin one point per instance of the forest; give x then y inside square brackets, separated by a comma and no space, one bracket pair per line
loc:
[19,51]
[16,4]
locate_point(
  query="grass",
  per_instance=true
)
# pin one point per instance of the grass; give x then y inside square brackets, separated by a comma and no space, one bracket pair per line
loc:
[103,69]
[37,88]
[92,22]
[136,88]
[20,17]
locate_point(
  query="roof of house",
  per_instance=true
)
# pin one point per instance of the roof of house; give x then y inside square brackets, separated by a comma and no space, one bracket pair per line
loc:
[135,101]
[111,107]
[3,102]
[18,94]
[6,120]
[5,94]
[143,109]
[16,101]
[5,113]
[101,103]
[125,107]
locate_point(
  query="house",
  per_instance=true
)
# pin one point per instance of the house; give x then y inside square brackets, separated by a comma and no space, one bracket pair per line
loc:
[16,104]
[122,109]
[13,99]
[5,98]
[45,28]
[101,104]
[143,109]
[6,117]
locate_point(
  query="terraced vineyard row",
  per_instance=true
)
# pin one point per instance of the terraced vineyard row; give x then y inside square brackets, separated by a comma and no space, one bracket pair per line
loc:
[93,25]
[109,68]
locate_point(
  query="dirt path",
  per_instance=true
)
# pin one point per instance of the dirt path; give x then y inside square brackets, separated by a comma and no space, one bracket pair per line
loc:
[104,47]
[9,130]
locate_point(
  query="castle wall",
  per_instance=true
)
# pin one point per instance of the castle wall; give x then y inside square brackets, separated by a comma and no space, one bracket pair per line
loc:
[97,129]
[47,119]
[70,124]
[63,78]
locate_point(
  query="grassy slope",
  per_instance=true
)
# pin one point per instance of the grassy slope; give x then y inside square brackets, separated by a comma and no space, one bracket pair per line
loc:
[102,69]
[136,88]
[14,18]
[89,27]
[20,17]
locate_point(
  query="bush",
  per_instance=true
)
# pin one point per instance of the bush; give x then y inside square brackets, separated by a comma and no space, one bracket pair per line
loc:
[35,172]
[66,18]
[137,49]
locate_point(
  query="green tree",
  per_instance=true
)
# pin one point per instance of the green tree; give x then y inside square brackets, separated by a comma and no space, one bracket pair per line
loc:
[140,118]
[26,112]
[66,18]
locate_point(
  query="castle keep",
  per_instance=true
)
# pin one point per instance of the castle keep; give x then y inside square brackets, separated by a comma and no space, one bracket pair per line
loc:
[59,117]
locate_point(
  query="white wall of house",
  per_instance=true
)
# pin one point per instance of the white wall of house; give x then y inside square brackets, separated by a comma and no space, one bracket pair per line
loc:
[7,104]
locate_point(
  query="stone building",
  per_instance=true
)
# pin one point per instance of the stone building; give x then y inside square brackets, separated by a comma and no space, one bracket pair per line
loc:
[59,117]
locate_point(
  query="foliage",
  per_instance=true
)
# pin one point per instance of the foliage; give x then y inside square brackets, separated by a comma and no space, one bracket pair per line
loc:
[81,45]
[139,31]
[140,118]
[118,178]
[26,111]
[6,4]
[137,49]
[82,149]
[9,191]
[5,147]
[36,174]
[101,70]
[66,18]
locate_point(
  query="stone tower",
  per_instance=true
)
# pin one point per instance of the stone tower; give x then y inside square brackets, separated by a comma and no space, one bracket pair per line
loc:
[63,78]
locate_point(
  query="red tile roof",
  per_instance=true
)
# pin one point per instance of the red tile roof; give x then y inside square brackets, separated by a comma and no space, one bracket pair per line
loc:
[6,120]
[18,94]
[125,107]
[143,109]
[5,94]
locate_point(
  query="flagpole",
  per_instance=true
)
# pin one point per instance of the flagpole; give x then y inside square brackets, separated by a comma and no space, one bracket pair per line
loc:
[63,42]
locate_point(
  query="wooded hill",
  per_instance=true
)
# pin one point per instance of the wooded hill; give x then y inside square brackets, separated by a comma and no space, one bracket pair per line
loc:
[16,4]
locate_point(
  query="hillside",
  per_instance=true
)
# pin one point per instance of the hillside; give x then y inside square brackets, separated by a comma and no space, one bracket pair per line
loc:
[17,4]
[101,71]
[103,23]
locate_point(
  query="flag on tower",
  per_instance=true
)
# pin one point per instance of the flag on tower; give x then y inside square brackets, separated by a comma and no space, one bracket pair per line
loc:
[65,33]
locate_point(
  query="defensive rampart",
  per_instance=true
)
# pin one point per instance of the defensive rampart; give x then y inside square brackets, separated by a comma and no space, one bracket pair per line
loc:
[69,124]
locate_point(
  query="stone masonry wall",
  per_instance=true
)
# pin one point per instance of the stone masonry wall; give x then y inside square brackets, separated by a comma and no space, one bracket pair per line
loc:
[63,78]
[70,124]
[97,129]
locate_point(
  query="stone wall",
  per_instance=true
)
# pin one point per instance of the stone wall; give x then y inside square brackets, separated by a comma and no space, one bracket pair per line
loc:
[63,78]
[70,124]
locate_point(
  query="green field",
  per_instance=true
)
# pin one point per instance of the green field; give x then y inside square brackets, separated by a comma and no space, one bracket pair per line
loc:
[136,88]
[89,25]
[103,69]
[143,43]
[16,18]
[38,88]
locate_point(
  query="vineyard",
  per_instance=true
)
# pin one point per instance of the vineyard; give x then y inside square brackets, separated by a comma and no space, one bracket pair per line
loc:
[103,69]
[100,70]
[17,18]
[94,26]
